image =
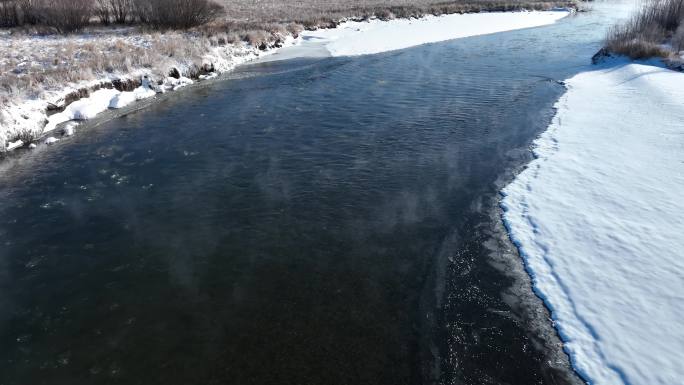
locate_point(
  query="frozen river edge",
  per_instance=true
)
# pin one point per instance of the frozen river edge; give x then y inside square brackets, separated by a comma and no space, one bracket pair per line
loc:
[597,218]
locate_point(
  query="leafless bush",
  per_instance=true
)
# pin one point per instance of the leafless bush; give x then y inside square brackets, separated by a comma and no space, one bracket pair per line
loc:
[177,14]
[29,11]
[121,10]
[14,13]
[10,15]
[644,35]
[65,15]
[103,11]
[25,135]
[114,11]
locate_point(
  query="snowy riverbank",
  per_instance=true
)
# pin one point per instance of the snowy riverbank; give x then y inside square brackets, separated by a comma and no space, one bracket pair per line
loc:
[599,220]
[24,119]
[25,116]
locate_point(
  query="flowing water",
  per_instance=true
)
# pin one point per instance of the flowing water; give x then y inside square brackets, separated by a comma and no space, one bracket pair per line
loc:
[310,221]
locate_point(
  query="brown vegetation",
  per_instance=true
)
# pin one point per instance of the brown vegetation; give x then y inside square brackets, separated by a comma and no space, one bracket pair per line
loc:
[314,13]
[72,15]
[62,15]
[656,30]
[176,14]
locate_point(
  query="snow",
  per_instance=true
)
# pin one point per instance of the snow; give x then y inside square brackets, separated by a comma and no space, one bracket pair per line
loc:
[174,84]
[68,130]
[98,101]
[88,108]
[599,220]
[83,109]
[123,99]
[361,38]
[14,145]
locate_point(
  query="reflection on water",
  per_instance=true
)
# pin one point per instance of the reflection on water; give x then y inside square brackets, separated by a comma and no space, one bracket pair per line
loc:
[314,222]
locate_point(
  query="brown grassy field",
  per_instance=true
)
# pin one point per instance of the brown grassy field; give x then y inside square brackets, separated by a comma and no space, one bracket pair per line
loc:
[306,11]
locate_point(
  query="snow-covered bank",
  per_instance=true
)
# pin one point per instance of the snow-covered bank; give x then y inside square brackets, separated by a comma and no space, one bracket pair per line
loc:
[375,36]
[24,117]
[599,219]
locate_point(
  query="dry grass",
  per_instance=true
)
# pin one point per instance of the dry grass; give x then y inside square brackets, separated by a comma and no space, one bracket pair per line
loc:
[304,11]
[656,30]
[312,13]
[36,64]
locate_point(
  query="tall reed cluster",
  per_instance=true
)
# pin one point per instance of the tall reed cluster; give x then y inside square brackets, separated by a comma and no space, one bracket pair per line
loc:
[656,30]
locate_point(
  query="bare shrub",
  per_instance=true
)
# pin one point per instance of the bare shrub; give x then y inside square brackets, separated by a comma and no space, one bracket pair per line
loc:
[9,14]
[29,11]
[644,35]
[114,11]
[103,11]
[121,10]
[25,135]
[65,15]
[14,13]
[177,14]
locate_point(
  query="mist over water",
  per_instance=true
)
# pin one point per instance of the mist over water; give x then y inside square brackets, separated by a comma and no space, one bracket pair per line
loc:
[311,221]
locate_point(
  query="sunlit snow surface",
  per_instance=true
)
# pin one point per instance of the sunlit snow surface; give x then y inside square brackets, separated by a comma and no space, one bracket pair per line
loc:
[368,37]
[97,102]
[599,219]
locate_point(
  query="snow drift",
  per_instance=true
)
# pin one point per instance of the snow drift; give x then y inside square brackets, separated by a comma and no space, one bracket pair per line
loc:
[599,219]
[99,101]
[375,36]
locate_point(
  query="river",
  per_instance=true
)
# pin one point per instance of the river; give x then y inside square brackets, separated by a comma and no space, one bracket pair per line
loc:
[306,221]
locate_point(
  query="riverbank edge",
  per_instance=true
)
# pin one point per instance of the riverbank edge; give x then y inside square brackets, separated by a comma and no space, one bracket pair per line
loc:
[29,118]
[522,296]
[605,54]
[543,147]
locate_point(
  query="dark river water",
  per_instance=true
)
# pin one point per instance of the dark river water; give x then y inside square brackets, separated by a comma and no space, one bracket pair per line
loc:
[311,221]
